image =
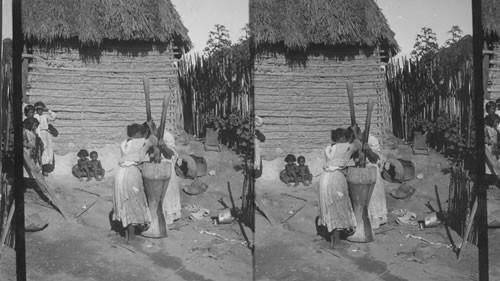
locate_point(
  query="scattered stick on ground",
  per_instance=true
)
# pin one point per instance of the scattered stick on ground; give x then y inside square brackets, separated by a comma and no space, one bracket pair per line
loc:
[86,209]
[294,213]
[179,226]
[261,210]
[296,197]
[384,231]
[222,237]
[330,252]
[93,193]
[126,248]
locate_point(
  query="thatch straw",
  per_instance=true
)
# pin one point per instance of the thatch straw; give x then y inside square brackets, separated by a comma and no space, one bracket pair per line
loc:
[299,23]
[92,21]
[491,25]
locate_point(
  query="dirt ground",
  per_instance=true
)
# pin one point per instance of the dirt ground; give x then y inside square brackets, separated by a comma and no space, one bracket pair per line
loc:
[85,248]
[293,251]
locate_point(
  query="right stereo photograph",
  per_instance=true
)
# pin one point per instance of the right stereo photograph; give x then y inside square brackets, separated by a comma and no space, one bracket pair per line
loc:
[366,133]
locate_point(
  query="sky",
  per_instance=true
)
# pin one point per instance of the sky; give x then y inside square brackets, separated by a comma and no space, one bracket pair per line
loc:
[407,17]
[200,17]
[6,19]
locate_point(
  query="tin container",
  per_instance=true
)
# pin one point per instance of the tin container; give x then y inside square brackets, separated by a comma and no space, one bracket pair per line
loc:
[224,216]
[431,220]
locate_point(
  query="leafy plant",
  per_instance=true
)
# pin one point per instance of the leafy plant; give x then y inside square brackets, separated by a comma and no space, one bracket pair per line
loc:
[214,121]
[421,124]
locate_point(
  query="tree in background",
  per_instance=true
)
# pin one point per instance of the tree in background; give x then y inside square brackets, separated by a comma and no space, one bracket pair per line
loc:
[425,44]
[456,35]
[219,42]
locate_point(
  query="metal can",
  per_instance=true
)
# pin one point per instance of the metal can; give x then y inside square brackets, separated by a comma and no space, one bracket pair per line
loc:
[431,220]
[224,216]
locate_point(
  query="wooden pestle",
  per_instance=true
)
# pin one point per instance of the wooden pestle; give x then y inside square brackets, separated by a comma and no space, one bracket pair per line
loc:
[145,82]
[161,129]
[369,109]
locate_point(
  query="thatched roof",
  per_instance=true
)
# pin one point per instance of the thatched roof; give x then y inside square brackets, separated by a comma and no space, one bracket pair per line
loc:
[91,21]
[299,23]
[491,22]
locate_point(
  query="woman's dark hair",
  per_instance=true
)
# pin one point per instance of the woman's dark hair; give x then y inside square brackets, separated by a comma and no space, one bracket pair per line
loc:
[94,153]
[135,129]
[301,158]
[290,157]
[350,136]
[338,133]
[28,108]
[29,122]
[489,105]
[83,153]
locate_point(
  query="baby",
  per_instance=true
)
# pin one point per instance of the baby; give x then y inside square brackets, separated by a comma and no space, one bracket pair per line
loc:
[289,174]
[95,166]
[303,171]
[81,169]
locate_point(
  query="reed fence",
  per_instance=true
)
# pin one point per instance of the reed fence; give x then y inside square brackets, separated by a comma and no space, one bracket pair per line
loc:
[216,85]
[437,86]
[7,137]
[461,199]
[424,90]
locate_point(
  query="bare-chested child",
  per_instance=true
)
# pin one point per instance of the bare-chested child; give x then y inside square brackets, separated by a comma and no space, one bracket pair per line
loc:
[289,174]
[303,172]
[81,169]
[95,167]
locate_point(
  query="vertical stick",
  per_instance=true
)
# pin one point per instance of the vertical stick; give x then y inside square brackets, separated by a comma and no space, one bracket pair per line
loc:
[467,231]
[145,82]
[350,95]
[163,120]
[369,109]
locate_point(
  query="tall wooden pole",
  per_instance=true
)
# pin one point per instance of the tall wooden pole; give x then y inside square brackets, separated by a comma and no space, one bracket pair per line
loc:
[478,41]
[17,73]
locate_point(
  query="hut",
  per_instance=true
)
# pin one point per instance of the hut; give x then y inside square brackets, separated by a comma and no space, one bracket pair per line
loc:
[87,59]
[491,53]
[305,52]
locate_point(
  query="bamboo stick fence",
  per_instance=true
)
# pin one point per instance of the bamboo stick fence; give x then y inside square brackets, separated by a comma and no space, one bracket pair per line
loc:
[418,90]
[7,137]
[461,198]
[213,85]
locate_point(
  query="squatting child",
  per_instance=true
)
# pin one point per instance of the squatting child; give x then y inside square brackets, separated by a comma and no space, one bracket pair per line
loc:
[95,167]
[303,172]
[289,174]
[81,169]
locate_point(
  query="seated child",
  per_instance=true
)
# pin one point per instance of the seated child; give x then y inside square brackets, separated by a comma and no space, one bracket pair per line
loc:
[81,169]
[95,167]
[289,174]
[303,172]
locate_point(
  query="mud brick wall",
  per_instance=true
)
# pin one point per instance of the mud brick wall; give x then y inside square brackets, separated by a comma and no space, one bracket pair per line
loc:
[95,99]
[494,73]
[301,104]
